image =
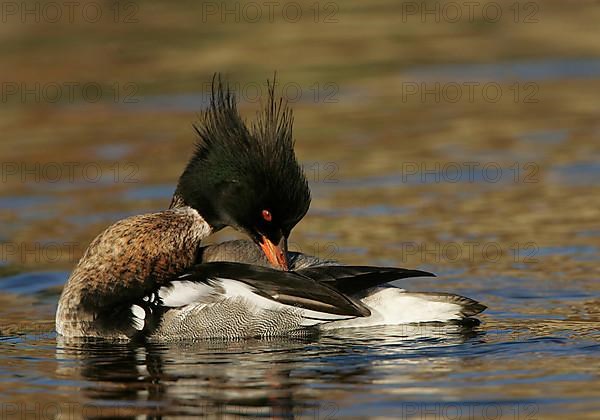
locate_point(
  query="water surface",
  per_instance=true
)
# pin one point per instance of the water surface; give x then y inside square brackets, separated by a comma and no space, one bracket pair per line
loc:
[391,186]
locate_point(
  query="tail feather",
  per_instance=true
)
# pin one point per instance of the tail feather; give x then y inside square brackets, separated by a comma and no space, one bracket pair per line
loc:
[390,305]
[468,306]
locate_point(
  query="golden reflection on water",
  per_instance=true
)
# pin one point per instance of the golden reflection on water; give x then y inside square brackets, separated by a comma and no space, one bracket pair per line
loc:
[380,160]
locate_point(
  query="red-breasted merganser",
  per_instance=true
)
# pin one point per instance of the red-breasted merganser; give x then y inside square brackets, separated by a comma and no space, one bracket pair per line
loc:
[149,277]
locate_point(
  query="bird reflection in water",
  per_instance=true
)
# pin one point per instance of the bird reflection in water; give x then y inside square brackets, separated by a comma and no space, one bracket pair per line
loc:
[274,378]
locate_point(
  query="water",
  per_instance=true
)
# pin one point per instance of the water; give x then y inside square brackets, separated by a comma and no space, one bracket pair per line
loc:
[391,371]
[390,173]
[534,356]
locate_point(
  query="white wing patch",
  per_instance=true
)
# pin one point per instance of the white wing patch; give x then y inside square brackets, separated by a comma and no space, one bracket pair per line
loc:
[234,289]
[190,297]
[139,317]
[182,293]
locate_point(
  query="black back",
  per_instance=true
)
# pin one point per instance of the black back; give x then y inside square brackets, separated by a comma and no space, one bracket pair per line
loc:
[323,288]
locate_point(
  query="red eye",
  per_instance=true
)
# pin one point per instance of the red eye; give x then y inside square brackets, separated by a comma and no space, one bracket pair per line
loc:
[266,214]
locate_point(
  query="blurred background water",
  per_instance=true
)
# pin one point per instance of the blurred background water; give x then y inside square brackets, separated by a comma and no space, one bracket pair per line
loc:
[462,139]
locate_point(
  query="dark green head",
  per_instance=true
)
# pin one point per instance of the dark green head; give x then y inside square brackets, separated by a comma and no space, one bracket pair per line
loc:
[247,177]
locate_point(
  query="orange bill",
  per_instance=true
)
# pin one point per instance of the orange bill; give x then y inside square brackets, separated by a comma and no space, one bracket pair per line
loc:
[274,253]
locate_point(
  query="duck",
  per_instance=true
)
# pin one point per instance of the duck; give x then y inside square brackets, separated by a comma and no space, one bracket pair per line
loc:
[152,277]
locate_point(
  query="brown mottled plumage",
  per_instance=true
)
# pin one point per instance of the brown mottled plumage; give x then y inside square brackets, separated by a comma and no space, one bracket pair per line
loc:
[130,259]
